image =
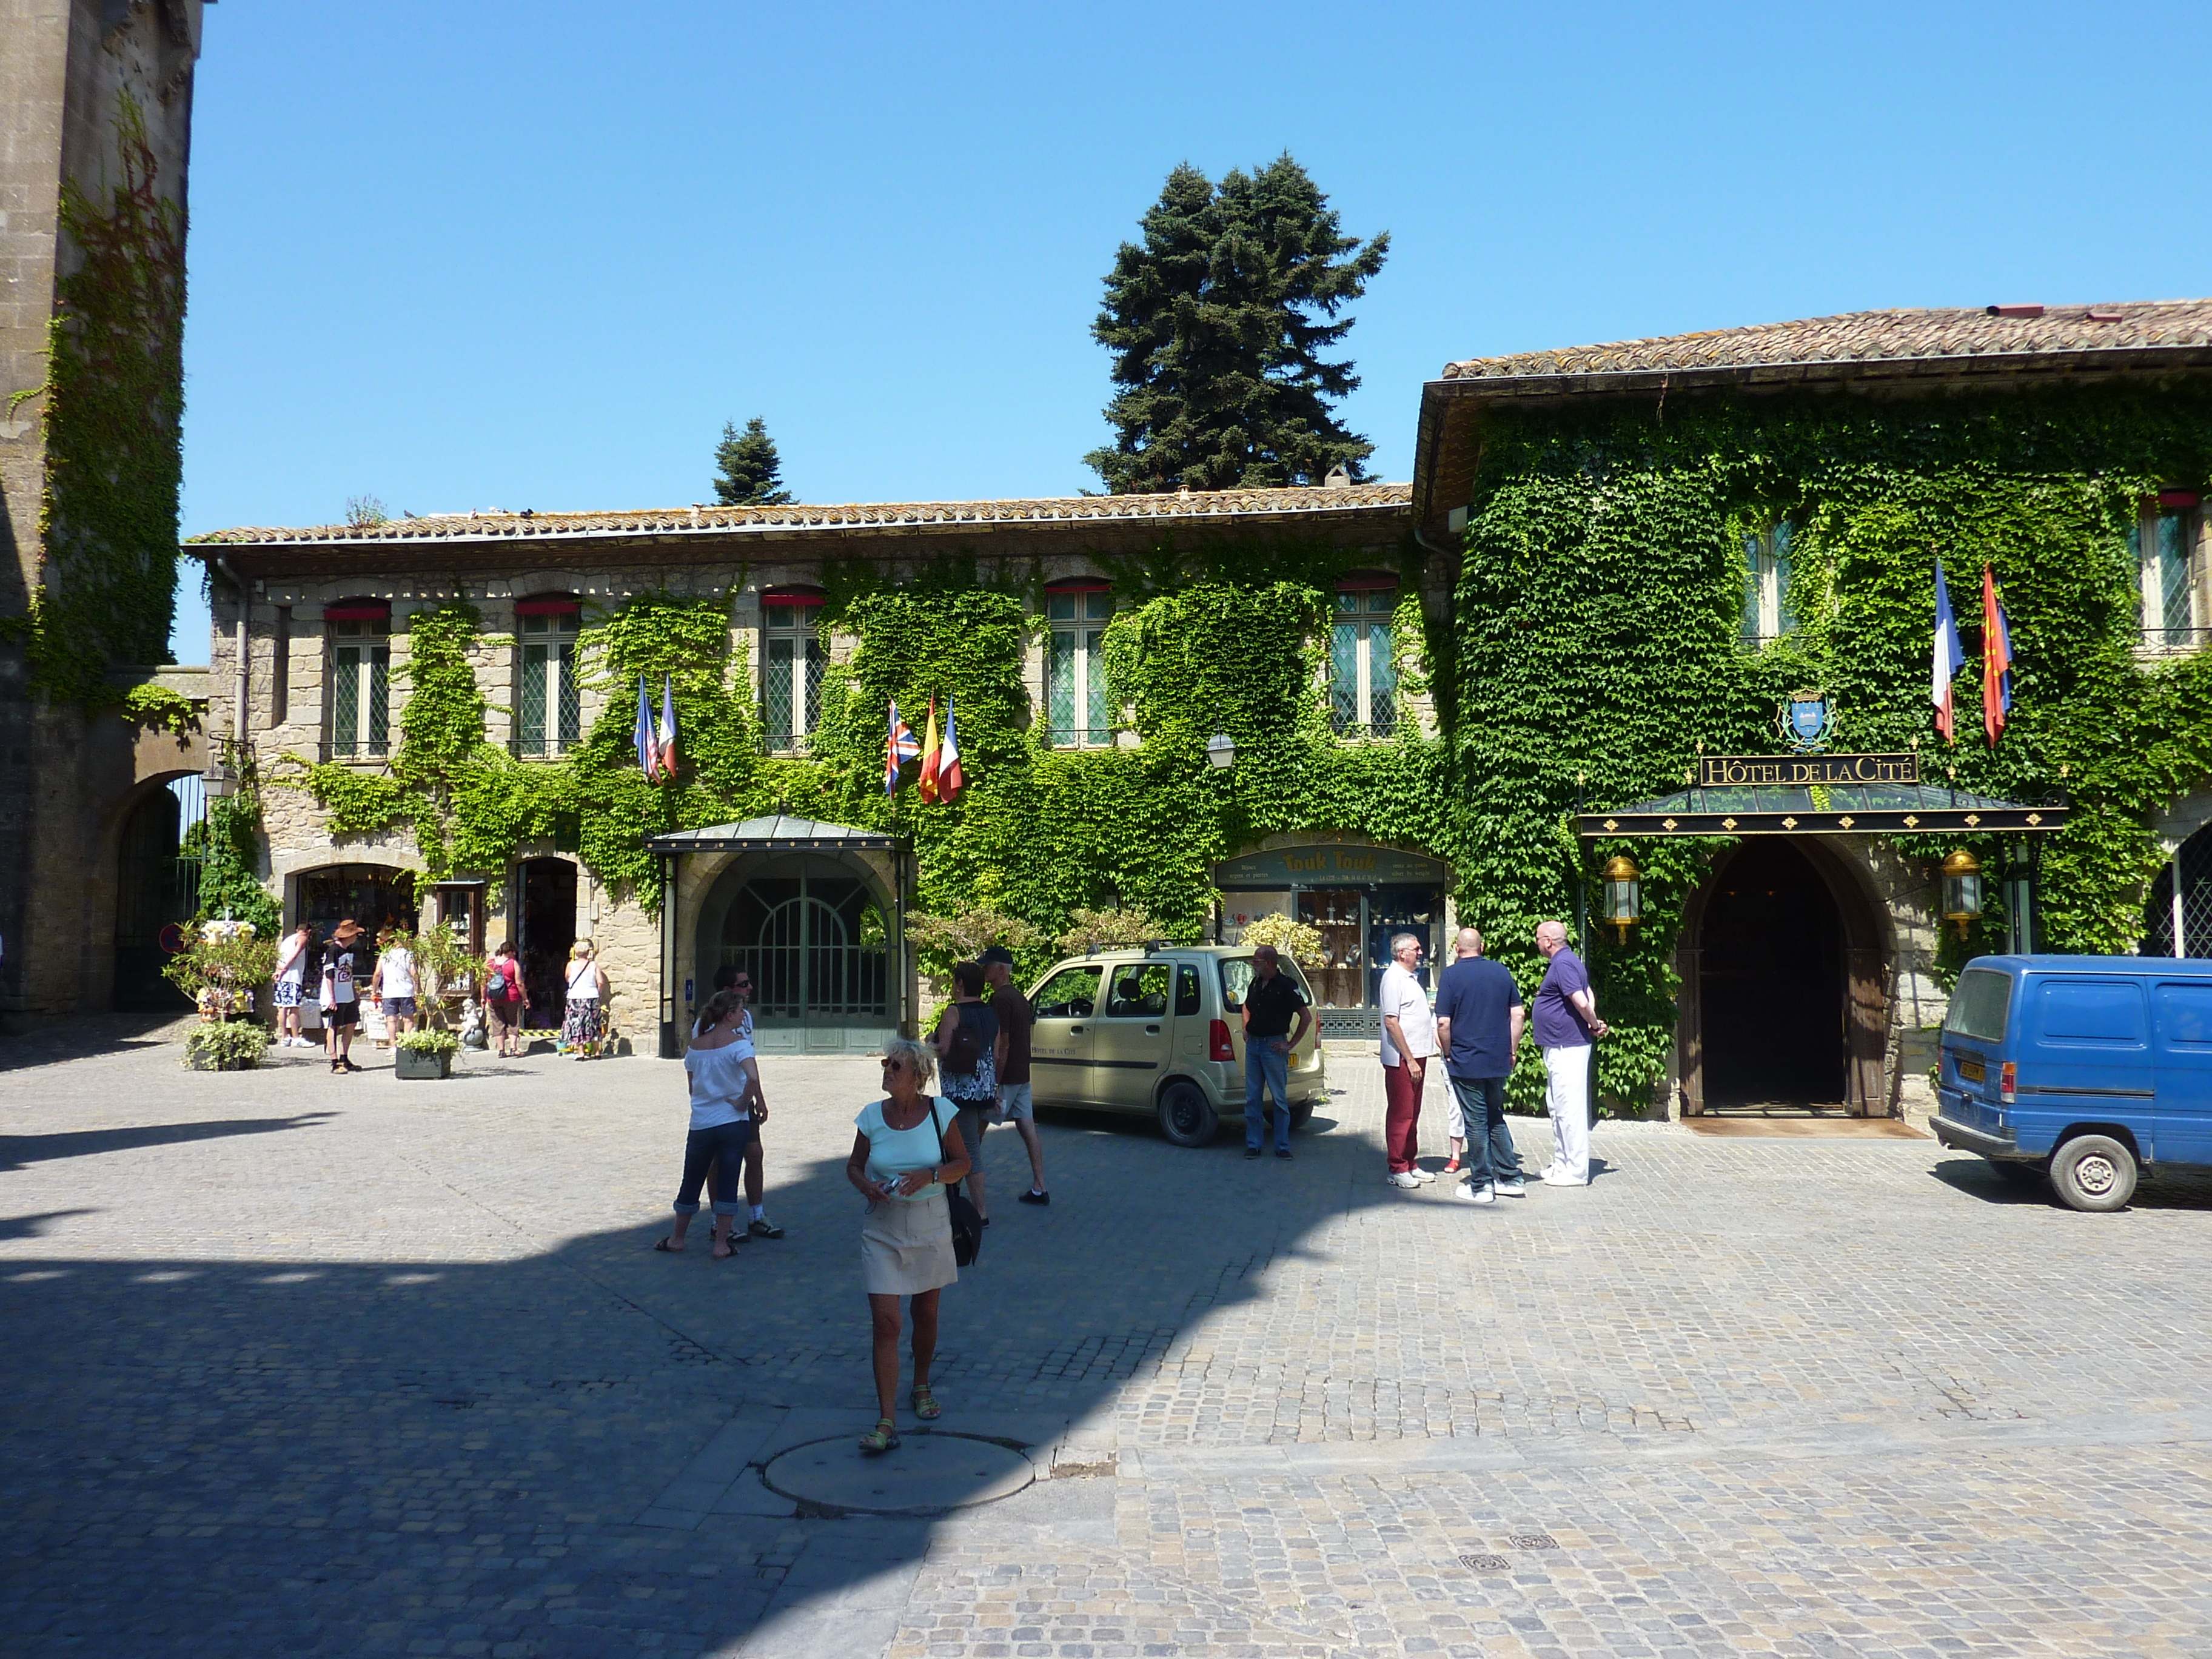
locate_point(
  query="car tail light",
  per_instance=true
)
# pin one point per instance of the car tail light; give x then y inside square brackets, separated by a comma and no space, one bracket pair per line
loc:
[1217,1041]
[2009,1083]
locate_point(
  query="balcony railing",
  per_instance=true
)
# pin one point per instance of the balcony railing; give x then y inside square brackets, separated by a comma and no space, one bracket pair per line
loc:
[2171,639]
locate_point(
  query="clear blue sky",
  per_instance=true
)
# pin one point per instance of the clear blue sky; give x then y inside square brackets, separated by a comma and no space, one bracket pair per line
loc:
[507,255]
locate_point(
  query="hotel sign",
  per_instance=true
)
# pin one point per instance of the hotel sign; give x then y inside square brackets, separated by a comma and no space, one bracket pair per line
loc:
[1788,771]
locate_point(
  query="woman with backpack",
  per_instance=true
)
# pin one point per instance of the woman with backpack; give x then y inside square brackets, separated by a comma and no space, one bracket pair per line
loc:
[970,1050]
[503,1000]
[906,1149]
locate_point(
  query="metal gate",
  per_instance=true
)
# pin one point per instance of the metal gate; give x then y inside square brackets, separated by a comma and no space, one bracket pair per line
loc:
[815,947]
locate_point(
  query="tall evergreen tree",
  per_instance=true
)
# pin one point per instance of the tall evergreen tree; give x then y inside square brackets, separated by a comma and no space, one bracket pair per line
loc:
[1217,321]
[748,473]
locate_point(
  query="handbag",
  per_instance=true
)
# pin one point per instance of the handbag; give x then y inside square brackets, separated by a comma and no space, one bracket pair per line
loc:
[967,1226]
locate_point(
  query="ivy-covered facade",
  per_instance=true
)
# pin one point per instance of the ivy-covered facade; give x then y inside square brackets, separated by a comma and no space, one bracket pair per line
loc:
[1609,561]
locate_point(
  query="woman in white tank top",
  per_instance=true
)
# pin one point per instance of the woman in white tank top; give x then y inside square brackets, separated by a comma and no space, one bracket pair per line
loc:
[584,1024]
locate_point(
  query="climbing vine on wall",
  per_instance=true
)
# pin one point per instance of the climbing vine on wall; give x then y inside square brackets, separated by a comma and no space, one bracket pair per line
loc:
[113,417]
[1598,616]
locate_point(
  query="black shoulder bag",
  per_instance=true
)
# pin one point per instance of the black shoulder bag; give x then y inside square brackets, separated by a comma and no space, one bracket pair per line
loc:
[967,1226]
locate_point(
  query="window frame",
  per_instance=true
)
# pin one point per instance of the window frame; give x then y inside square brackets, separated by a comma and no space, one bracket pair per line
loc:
[2184,511]
[551,625]
[358,635]
[1363,702]
[791,619]
[1767,569]
[1091,612]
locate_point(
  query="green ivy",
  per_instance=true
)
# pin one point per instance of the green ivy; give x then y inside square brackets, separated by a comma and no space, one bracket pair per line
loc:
[150,704]
[113,422]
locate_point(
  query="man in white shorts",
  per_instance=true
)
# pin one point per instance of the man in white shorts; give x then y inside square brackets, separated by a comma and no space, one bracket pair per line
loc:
[1013,1009]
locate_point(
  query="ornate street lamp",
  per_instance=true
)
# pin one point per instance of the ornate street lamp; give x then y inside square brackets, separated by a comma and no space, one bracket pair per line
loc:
[1221,751]
[219,782]
[1624,894]
[1962,889]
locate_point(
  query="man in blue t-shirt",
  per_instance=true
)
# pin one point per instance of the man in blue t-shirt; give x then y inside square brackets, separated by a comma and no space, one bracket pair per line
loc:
[1479,1020]
[1565,1025]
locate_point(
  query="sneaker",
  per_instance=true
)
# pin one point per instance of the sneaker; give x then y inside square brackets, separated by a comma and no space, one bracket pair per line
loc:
[1401,1180]
[1512,1187]
[1033,1196]
[1561,1178]
[764,1228]
[1251,1151]
[1424,1176]
[1468,1193]
[1282,1151]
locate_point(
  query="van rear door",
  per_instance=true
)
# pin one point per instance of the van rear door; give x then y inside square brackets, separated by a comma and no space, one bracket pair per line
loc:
[2183,1043]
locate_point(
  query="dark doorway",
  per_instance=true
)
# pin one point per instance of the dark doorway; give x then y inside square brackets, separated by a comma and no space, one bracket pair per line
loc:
[545,931]
[157,886]
[1771,983]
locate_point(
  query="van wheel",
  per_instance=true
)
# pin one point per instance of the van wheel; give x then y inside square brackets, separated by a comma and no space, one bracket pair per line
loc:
[1186,1116]
[2094,1173]
[1301,1114]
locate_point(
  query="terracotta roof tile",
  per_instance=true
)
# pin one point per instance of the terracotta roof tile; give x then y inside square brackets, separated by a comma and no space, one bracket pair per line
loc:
[1875,337]
[802,518]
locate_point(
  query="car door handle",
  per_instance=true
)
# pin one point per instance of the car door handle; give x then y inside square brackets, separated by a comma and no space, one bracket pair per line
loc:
[1075,1031]
[1151,1031]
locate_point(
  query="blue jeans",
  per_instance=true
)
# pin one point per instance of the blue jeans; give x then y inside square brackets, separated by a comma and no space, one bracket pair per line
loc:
[724,1147]
[1491,1155]
[1266,1070]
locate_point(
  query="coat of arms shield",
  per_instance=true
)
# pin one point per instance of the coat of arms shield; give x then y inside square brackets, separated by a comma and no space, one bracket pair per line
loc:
[1809,720]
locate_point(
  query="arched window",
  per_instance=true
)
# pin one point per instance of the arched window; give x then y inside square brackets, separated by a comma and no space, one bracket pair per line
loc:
[792,661]
[2178,915]
[360,638]
[548,707]
[1077,715]
[1363,667]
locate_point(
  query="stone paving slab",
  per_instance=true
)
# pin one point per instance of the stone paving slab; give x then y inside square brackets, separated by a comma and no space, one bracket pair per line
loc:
[304,1364]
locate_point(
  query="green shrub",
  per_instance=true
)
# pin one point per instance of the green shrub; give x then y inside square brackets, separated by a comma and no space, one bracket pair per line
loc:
[227,1045]
[429,1043]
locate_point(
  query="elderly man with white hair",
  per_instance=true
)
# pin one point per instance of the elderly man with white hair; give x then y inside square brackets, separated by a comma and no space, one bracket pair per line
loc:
[1409,1041]
[1564,1024]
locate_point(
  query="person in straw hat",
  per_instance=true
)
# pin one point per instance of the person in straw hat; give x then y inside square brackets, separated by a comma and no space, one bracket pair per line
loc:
[340,998]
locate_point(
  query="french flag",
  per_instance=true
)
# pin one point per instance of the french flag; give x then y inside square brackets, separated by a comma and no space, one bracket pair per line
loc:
[900,746]
[1948,657]
[664,752]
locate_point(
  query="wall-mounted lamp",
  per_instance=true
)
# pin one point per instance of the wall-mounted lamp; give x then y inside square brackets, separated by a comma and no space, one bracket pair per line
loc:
[1221,751]
[1624,894]
[1962,889]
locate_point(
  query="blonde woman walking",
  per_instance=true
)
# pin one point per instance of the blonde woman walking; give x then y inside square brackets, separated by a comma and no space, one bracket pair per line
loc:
[584,1025]
[907,1148]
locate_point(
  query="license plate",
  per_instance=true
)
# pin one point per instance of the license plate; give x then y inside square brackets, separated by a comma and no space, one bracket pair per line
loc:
[1971,1068]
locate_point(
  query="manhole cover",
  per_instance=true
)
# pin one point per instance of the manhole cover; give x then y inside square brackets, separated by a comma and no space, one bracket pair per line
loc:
[1533,1540]
[928,1473]
[1485,1563]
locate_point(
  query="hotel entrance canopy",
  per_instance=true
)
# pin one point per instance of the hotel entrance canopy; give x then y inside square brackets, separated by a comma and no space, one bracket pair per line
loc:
[1831,809]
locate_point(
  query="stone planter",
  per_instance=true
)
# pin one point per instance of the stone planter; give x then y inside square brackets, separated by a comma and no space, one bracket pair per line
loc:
[407,1065]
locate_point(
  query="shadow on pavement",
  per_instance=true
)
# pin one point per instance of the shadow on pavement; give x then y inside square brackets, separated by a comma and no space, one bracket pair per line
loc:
[1978,1177]
[16,1150]
[90,1036]
[560,1454]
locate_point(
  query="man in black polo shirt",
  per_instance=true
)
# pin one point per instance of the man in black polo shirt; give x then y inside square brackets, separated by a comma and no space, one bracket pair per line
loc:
[1270,1001]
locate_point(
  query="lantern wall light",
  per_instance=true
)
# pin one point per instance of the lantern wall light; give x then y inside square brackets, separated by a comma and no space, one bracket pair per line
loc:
[1624,894]
[1221,751]
[1962,890]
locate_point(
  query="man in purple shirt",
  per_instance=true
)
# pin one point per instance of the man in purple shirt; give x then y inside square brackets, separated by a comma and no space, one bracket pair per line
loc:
[1565,1022]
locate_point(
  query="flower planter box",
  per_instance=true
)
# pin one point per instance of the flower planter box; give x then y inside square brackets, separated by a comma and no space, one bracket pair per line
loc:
[407,1065]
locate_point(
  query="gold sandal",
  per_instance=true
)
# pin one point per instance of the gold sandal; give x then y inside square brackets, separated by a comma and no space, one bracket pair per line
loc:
[884,1438]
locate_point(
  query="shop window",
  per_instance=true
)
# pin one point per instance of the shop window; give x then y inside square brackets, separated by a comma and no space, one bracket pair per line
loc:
[1077,716]
[2164,541]
[1768,613]
[1363,668]
[548,708]
[360,679]
[791,665]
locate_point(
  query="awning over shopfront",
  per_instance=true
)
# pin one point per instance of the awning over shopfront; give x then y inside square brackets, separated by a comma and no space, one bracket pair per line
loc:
[1836,809]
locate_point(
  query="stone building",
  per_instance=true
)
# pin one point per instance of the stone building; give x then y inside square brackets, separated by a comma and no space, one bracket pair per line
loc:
[813,908]
[95,96]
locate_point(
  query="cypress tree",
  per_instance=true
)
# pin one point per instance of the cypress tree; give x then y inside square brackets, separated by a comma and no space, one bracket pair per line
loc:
[1217,321]
[748,473]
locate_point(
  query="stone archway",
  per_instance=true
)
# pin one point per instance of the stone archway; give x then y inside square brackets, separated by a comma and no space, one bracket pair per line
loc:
[1845,940]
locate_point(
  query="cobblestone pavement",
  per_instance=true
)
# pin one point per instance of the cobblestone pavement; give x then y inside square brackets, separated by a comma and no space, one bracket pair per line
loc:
[301,1364]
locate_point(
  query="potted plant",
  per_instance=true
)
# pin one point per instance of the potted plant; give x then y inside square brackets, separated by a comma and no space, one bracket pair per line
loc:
[422,1056]
[226,1045]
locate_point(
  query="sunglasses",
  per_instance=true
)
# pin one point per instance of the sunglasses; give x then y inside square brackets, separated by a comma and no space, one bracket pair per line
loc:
[892,1064]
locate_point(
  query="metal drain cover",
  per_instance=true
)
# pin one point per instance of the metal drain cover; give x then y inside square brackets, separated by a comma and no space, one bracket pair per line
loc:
[928,1474]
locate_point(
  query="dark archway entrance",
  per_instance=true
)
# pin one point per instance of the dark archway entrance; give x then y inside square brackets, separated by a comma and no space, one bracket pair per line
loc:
[544,908]
[1772,983]
[157,885]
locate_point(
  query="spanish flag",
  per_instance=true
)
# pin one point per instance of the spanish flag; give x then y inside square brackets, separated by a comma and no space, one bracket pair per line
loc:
[926,784]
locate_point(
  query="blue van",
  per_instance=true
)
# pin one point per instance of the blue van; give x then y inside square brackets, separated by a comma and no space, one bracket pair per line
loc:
[2087,1069]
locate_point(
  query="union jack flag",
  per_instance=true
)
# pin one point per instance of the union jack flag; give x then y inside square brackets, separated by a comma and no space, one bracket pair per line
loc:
[900,747]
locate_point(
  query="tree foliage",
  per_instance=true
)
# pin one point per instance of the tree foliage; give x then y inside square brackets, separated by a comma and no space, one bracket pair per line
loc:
[1219,321]
[748,472]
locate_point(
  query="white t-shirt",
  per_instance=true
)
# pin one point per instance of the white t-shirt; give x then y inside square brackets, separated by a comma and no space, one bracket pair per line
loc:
[338,977]
[399,966]
[295,965]
[584,980]
[1402,995]
[717,1084]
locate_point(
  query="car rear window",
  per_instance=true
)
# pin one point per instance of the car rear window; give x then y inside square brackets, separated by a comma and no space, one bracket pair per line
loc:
[1980,1004]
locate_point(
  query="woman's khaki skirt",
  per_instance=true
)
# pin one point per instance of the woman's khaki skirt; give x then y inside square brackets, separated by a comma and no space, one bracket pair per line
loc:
[906,1246]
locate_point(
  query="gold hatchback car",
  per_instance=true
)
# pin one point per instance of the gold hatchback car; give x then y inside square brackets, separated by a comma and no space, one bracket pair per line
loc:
[1160,1031]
